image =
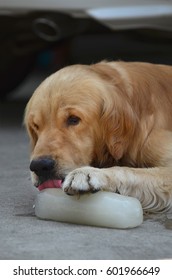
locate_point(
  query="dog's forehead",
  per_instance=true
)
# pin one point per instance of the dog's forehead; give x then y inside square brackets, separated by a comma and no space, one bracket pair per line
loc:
[71,85]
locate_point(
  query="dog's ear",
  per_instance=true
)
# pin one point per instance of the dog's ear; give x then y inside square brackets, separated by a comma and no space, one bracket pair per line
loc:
[118,120]
[118,125]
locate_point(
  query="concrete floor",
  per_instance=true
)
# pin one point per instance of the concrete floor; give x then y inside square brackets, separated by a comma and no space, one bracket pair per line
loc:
[23,236]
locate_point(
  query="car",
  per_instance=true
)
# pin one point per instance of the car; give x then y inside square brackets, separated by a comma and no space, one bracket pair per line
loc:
[30,27]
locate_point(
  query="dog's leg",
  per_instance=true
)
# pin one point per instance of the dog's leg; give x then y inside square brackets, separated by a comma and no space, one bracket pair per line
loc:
[152,186]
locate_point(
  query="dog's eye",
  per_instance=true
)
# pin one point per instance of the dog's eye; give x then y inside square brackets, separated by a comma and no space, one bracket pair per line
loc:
[73,120]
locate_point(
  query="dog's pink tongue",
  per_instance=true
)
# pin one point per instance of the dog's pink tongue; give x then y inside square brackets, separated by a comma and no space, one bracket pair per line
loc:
[50,184]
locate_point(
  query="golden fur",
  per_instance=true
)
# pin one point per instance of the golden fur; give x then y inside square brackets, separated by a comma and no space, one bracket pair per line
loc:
[107,126]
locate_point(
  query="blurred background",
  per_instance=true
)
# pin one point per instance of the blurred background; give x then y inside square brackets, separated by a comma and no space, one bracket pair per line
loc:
[39,37]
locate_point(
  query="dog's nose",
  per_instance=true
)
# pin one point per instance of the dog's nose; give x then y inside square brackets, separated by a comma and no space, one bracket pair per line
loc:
[41,166]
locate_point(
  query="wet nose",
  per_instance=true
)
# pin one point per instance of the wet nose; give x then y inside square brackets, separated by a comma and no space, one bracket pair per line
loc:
[42,166]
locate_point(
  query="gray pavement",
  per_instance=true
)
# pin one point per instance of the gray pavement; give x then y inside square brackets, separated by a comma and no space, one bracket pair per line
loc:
[23,236]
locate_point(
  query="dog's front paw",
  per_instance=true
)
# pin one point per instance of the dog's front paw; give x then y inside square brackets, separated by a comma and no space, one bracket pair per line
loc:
[84,179]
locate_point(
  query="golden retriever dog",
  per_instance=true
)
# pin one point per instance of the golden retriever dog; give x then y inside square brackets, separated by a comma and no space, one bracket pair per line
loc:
[106,126]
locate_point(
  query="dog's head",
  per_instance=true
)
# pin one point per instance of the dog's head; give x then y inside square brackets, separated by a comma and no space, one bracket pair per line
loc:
[76,118]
